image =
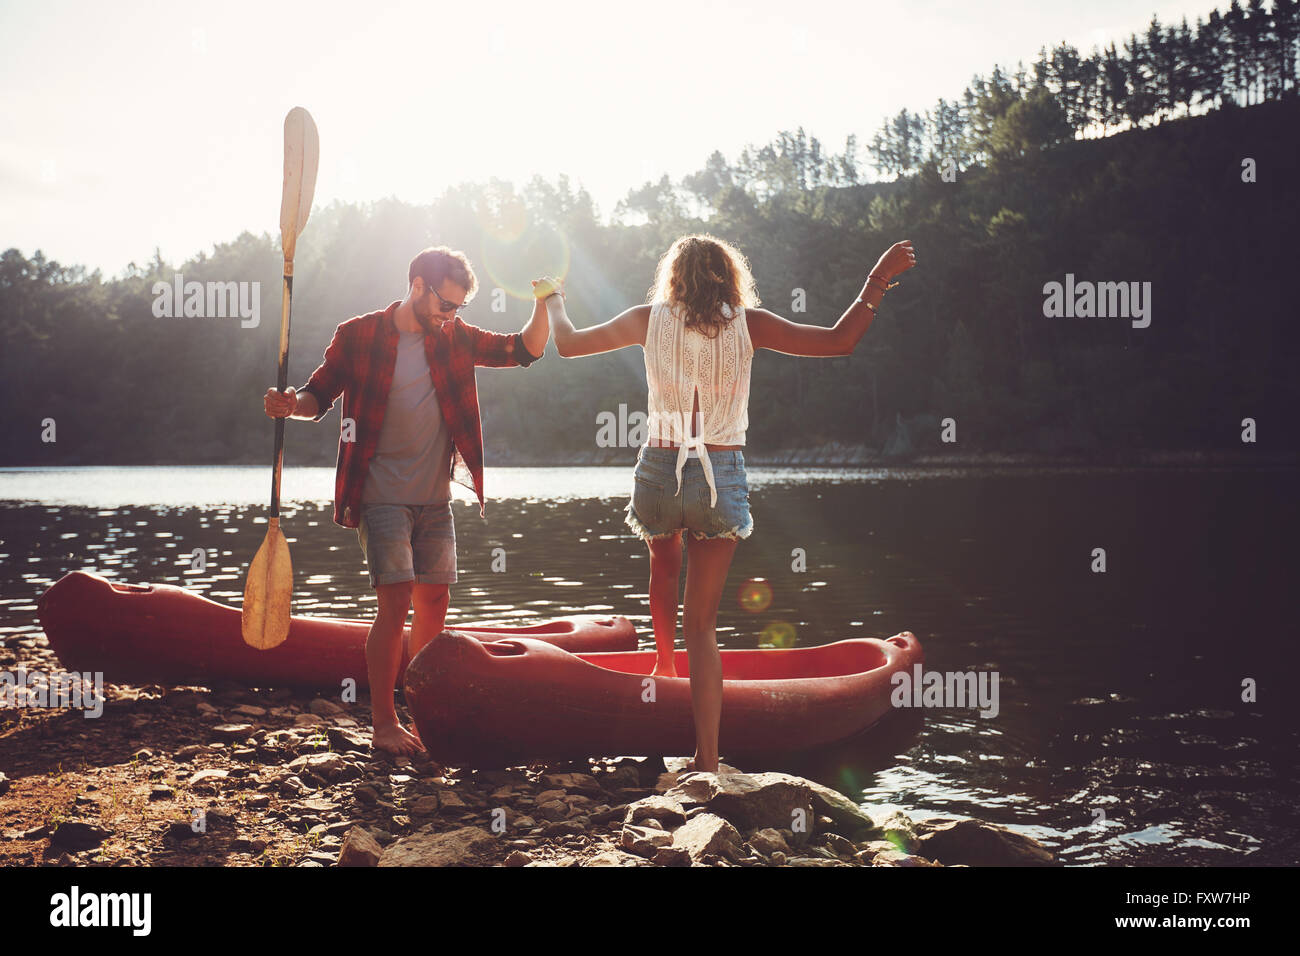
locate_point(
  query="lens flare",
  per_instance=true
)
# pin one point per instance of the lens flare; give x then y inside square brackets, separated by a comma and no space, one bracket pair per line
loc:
[755,595]
[507,222]
[849,782]
[512,260]
[779,634]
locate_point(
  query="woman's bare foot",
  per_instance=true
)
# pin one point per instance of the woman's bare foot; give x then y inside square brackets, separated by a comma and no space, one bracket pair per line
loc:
[698,765]
[397,740]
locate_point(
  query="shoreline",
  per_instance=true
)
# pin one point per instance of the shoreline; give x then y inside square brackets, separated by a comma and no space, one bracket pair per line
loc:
[830,455]
[233,776]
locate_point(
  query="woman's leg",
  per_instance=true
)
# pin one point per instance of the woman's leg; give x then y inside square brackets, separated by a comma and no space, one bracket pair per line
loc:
[707,563]
[665,579]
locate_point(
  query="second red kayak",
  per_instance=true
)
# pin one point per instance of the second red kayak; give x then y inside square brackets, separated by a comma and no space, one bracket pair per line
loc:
[517,701]
[162,634]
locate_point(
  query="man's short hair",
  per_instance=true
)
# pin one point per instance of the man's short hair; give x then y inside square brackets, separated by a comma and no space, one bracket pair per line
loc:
[437,263]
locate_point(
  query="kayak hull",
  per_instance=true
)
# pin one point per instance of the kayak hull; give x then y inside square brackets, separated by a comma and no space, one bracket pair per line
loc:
[518,701]
[162,634]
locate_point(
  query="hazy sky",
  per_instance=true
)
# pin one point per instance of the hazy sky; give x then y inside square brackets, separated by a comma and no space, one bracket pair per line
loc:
[134,125]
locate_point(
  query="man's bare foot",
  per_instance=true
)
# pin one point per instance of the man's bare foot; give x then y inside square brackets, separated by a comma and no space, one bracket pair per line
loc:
[397,740]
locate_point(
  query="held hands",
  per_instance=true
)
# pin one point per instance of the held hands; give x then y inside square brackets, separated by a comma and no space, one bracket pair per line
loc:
[280,404]
[897,259]
[546,286]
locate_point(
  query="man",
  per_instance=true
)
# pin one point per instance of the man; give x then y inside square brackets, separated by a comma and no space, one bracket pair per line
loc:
[410,426]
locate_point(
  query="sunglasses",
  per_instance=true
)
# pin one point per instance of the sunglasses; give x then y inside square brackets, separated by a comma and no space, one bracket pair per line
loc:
[446,304]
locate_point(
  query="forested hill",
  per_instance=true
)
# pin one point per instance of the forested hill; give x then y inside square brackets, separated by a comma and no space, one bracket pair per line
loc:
[1199,210]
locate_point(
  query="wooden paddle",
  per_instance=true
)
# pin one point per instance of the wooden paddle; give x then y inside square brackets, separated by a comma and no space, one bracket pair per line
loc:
[265,617]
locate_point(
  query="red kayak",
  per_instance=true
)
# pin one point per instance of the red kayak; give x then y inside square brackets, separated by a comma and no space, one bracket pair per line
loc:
[518,701]
[162,634]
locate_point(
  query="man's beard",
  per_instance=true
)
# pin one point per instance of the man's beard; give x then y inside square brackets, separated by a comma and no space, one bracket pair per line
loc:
[426,322]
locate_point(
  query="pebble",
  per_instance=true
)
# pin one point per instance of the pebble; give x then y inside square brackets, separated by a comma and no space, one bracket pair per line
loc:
[232,732]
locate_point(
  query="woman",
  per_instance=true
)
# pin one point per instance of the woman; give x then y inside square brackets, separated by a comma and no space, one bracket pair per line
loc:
[699,332]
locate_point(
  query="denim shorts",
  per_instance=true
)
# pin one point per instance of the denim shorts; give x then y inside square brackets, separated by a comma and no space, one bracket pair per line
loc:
[408,543]
[657,508]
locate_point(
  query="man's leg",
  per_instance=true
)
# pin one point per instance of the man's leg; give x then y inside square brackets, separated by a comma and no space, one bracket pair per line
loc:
[431,602]
[383,659]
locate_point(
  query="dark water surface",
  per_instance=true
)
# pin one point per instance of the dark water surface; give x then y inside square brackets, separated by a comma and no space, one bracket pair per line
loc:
[1121,737]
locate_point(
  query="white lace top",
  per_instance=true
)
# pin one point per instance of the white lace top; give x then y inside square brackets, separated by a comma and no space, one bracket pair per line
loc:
[678,362]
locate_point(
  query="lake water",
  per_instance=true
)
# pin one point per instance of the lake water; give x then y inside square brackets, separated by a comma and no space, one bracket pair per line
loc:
[1122,735]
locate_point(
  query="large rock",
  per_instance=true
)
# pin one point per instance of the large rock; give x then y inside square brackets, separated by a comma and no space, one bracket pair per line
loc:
[948,840]
[454,848]
[234,733]
[768,841]
[450,800]
[74,835]
[425,806]
[836,845]
[849,819]
[672,856]
[708,835]
[611,858]
[347,740]
[665,809]
[553,810]
[897,829]
[644,841]
[327,766]
[209,778]
[360,849]
[899,858]
[749,800]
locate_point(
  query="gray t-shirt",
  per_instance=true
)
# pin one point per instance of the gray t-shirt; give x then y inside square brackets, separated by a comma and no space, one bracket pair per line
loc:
[411,465]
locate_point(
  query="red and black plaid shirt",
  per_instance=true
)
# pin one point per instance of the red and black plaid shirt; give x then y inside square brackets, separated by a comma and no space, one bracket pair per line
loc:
[359,364]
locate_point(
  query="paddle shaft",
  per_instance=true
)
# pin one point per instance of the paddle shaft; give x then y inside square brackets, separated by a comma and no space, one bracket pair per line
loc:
[286,300]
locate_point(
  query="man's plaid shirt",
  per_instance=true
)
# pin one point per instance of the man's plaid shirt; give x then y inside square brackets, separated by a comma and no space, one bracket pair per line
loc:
[359,365]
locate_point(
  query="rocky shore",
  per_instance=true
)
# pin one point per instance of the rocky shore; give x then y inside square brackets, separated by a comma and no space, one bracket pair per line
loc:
[238,777]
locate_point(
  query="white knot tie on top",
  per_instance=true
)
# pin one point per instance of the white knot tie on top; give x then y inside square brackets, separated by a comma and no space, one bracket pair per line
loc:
[681,363]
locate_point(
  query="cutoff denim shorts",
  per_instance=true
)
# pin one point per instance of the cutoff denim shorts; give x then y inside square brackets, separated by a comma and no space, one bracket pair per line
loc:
[408,543]
[657,508]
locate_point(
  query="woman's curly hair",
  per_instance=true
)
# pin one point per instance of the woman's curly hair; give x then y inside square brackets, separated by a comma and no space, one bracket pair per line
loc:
[705,280]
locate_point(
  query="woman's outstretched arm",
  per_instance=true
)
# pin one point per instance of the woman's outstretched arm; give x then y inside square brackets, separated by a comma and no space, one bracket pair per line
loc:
[768,330]
[626,328]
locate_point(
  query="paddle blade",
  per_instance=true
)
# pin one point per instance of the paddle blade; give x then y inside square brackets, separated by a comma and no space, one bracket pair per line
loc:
[301,157]
[265,617]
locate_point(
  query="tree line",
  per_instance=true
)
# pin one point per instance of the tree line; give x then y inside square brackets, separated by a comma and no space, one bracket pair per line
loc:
[1007,193]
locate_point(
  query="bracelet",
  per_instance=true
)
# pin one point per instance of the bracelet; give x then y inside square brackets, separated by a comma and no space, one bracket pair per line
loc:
[888,285]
